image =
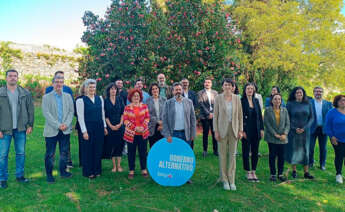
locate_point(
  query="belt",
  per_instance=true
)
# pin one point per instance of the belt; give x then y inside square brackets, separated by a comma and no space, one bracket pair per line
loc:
[178,130]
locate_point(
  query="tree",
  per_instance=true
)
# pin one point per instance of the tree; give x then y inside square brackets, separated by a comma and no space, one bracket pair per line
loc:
[7,54]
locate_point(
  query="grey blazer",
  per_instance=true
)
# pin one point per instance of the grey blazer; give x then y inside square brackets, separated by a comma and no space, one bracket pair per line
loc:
[153,115]
[221,117]
[50,113]
[169,118]
[272,128]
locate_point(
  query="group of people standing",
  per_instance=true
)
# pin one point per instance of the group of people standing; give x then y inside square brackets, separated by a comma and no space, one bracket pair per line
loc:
[135,118]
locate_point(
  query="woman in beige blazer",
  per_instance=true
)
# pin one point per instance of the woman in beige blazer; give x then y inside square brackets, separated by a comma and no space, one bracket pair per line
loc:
[228,128]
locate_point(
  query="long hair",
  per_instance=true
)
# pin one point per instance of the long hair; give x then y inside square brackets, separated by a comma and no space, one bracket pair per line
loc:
[292,96]
[244,95]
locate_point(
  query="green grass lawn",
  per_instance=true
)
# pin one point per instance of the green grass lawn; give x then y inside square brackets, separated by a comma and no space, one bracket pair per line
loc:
[113,192]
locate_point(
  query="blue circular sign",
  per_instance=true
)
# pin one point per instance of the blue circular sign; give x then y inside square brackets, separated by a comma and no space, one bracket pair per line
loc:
[171,164]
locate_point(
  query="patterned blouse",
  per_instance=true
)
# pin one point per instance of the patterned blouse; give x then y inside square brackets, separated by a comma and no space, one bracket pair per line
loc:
[130,120]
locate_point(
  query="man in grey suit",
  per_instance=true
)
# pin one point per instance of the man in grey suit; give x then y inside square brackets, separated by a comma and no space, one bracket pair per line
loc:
[58,111]
[179,117]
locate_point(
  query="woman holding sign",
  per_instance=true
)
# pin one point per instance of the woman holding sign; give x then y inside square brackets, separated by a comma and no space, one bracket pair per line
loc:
[136,118]
[228,128]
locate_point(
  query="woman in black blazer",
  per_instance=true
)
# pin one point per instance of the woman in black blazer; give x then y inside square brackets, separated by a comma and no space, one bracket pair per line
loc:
[253,130]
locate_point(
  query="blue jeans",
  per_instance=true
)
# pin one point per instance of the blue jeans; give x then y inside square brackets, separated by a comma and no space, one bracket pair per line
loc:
[181,135]
[322,146]
[50,152]
[19,146]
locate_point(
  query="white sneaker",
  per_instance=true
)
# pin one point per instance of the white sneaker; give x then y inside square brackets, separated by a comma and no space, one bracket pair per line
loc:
[226,186]
[232,187]
[339,178]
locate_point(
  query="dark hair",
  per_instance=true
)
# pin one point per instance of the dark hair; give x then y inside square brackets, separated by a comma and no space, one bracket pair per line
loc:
[276,87]
[337,99]
[107,89]
[292,96]
[317,87]
[277,94]
[237,91]
[255,87]
[58,72]
[184,79]
[228,80]
[151,86]
[138,80]
[132,91]
[11,70]
[244,95]
[208,78]
[176,84]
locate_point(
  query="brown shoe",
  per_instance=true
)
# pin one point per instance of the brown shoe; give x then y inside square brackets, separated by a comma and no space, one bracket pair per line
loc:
[145,174]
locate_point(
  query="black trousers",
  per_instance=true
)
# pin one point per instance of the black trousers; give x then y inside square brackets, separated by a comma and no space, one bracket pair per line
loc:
[80,140]
[276,151]
[322,138]
[207,124]
[339,151]
[250,145]
[132,149]
[155,137]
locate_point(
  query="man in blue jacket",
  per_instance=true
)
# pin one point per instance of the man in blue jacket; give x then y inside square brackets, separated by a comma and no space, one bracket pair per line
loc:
[320,109]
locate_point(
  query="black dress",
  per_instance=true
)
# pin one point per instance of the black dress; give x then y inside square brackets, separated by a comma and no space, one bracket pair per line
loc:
[114,140]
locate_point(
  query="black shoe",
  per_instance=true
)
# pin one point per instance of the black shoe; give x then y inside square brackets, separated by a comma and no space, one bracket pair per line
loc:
[22,179]
[294,174]
[204,154]
[50,179]
[282,178]
[307,175]
[216,154]
[66,175]
[273,178]
[3,184]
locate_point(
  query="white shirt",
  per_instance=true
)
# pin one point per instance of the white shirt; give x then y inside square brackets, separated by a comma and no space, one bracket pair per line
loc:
[318,110]
[209,98]
[80,113]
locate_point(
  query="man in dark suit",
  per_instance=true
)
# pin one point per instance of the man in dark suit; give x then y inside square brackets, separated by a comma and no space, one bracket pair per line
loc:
[320,109]
[206,100]
[190,95]
[121,90]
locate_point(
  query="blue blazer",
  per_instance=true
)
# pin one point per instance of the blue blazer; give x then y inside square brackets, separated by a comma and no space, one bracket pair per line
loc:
[326,106]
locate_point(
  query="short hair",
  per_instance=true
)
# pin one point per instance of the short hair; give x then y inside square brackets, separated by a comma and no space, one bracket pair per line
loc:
[58,72]
[228,80]
[11,70]
[184,79]
[176,84]
[292,96]
[337,99]
[138,80]
[208,78]
[244,95]
[277,94]
[317,87]
[57,77]
[132,91]
[119,79]
[110,86]
[87,82]
[151,86]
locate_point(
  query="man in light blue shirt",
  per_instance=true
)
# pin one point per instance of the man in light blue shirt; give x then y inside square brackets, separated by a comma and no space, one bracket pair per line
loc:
[320,109]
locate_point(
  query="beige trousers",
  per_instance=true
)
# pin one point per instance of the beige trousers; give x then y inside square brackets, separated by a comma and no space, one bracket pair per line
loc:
[227,148]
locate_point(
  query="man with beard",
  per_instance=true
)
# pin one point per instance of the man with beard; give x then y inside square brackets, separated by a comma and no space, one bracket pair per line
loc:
[165,90]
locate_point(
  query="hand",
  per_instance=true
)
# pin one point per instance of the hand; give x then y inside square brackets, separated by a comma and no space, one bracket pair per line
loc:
[262,133]
[1,135]
[160,123]
[160,127]
[244,135]
[210,116]
[334,141]
[283,137]
[169,139]
[240,134]
[139,129]
[113,128]
[299,131]
[105,131]
[28,131]
[216,135]
[86,136]
[277,136]
[63,127]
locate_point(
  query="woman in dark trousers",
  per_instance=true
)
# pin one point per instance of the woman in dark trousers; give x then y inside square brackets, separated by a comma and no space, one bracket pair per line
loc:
[90,110]
[253,130]
[335,129]
[301,118]
[277,126]
[114,107]
[136,119]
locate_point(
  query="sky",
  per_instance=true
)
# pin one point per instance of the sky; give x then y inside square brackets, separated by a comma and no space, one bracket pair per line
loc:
[54,22]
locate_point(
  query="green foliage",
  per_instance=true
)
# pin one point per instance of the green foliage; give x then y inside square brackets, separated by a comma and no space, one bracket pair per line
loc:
[7,54]
[52,59]
[292,42]
[35,84]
